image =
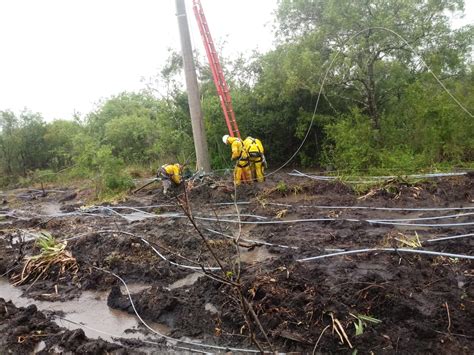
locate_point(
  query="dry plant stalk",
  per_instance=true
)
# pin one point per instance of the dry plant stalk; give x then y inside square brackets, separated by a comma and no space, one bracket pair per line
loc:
[411,242]
[282,213]
[371,193]
[52,253]
[226,278]
[339,329]
[449,316]
[396,239]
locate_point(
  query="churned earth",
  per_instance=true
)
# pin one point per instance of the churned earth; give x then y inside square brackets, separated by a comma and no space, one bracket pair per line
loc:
[187,260]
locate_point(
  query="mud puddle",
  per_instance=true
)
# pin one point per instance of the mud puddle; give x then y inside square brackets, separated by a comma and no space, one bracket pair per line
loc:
[39,347]
[185,281]
[137,216]
[24,236]
[255,255]
[143,215]
[50,208]
[91,310]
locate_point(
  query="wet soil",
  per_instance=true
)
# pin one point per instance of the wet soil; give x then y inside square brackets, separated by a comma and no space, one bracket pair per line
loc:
[416,304]
[26,330]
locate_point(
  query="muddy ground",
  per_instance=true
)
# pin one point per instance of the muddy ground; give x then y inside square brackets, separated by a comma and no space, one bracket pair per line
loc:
[27,330]
[415,303]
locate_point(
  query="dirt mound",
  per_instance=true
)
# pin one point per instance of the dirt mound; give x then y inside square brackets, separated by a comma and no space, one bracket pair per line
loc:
[125,255]
[179,309]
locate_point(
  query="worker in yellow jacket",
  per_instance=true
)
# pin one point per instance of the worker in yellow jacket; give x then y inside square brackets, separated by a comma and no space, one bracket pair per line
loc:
[256,154]
[170,174]
[242,167]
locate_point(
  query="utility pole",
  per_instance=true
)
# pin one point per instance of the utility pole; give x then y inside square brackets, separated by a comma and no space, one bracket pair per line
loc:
[197,123]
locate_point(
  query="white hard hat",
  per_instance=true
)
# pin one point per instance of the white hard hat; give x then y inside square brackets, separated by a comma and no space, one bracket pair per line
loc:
[224,138]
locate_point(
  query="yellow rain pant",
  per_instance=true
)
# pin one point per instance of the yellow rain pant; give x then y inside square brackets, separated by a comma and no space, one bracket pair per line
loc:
[257,169]
[242,173]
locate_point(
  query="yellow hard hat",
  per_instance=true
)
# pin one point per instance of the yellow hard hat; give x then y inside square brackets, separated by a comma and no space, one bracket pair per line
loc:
[224,138]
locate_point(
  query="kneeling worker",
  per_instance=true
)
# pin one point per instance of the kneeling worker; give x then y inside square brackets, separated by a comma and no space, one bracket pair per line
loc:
[242,169]
[170,174]
[255,152]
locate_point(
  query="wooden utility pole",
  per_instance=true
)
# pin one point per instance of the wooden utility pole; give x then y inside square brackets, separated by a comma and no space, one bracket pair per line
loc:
[199,135]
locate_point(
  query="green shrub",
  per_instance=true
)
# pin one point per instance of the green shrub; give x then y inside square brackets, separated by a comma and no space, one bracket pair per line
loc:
[353,143]
[111,177]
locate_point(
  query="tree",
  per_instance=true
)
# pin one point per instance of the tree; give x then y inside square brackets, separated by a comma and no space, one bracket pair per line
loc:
[59,138]
[125,104]
[132,137]
[368,55]
[32,149]
[8,141]
[22,145]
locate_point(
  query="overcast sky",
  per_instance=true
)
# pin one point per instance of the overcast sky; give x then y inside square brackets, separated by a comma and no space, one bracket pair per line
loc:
[61,56]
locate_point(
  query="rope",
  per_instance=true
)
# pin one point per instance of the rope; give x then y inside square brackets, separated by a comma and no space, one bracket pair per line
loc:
[396,250]
[422,218]
[372,179]
[450,238]
[311,220]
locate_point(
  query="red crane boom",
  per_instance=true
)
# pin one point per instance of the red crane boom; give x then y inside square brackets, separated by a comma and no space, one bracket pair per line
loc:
[217,74]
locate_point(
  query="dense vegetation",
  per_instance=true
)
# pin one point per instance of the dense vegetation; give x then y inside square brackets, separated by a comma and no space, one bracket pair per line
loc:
[380,106]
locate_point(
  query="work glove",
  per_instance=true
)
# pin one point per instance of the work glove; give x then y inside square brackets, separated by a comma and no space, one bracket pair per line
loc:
[265,162]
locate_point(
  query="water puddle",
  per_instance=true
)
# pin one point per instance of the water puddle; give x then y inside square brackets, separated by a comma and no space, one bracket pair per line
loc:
[25,236]
[39,347]
[186,281]
[256,255]
[90,309]
[142,215]
[211,308]
[50,208]
[135,287]
[138,216]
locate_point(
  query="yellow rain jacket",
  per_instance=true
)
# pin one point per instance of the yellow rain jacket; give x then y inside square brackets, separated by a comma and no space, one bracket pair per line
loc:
[256,156]
[254,148]
[242,169]
[172,172]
